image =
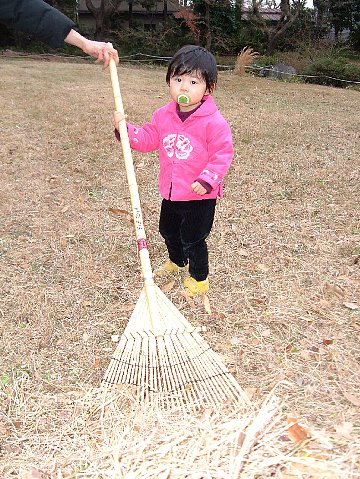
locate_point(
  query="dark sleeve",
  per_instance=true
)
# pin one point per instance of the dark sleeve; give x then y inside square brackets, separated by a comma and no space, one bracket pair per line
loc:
[37,18]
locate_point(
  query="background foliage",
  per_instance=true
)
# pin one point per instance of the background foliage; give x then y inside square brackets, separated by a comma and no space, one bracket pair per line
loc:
[311,40]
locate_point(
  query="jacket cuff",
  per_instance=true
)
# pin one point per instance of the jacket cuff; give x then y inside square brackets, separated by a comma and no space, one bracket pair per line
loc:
[211,178]
[132,132]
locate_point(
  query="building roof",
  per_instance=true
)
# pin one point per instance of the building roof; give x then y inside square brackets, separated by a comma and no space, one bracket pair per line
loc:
[172,6]
[272,14]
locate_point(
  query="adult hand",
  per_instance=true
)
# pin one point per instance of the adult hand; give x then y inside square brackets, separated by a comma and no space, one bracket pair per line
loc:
[100,50]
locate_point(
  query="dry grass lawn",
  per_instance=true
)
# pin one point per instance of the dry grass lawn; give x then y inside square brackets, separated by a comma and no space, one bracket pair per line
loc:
[285,281]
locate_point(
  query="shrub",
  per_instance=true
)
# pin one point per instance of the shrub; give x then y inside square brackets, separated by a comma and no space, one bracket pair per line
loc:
[329,71]
[355,38]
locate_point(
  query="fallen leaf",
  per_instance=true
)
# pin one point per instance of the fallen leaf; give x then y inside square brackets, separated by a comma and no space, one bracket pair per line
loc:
[326,342]
[334,290]
[353,399]
[117,212]
[350,280]
[258,300]
[355,324]
[296,432]
[313,469]
[352,306]
[324,303]
[331,356]
[82,202]
[206,303]
[17,424]
[168,287]
[32,474]
[188,299]
[95,364]
[305,355]
[250,392]
[160,272]
[266,333]
[314,349]
[345,429]
[263,267]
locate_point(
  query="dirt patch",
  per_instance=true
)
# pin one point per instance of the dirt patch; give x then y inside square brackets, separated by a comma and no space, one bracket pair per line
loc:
[285,271]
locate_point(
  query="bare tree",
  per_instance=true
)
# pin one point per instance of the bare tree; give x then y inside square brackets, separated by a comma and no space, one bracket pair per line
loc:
[274,31]
[165,10]
[102,15]
[207,30]
[322,15]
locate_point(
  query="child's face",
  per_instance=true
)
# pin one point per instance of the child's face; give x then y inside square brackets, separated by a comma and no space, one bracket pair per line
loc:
[191,85]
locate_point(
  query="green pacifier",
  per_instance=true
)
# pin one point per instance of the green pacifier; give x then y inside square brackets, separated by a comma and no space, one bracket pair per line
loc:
[183,99]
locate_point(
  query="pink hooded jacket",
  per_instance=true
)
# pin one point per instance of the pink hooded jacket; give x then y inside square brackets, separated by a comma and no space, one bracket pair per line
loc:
[198,148]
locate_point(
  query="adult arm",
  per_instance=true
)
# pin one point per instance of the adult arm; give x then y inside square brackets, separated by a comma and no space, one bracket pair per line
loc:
[37,18]
[102,51]
[52,27]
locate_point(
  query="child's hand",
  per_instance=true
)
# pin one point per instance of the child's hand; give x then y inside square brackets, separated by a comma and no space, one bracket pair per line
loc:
[117,118]
[197,188]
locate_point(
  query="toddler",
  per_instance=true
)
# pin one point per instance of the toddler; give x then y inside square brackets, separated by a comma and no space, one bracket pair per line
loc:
[195,151]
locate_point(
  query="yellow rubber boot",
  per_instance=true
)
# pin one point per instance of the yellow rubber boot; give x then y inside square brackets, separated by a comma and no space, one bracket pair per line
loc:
[196,287]
[171,267]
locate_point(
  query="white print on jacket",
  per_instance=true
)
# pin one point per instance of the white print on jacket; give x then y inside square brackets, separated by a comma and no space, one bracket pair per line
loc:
[182,148]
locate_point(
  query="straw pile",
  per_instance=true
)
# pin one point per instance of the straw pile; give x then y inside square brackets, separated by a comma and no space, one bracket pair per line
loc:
[97,435]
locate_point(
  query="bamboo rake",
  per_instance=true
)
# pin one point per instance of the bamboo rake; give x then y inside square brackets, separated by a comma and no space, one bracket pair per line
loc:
[160,352]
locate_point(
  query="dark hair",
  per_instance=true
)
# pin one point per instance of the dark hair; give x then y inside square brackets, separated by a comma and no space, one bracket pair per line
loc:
[194,59]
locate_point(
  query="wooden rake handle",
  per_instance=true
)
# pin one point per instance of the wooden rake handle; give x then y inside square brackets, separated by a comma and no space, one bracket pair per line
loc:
[135,199]
[129,165]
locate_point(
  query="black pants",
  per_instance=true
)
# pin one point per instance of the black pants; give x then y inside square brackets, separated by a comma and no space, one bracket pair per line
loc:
[185,225]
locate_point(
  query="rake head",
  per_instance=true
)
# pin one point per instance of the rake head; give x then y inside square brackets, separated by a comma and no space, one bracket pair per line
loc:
[174,364]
